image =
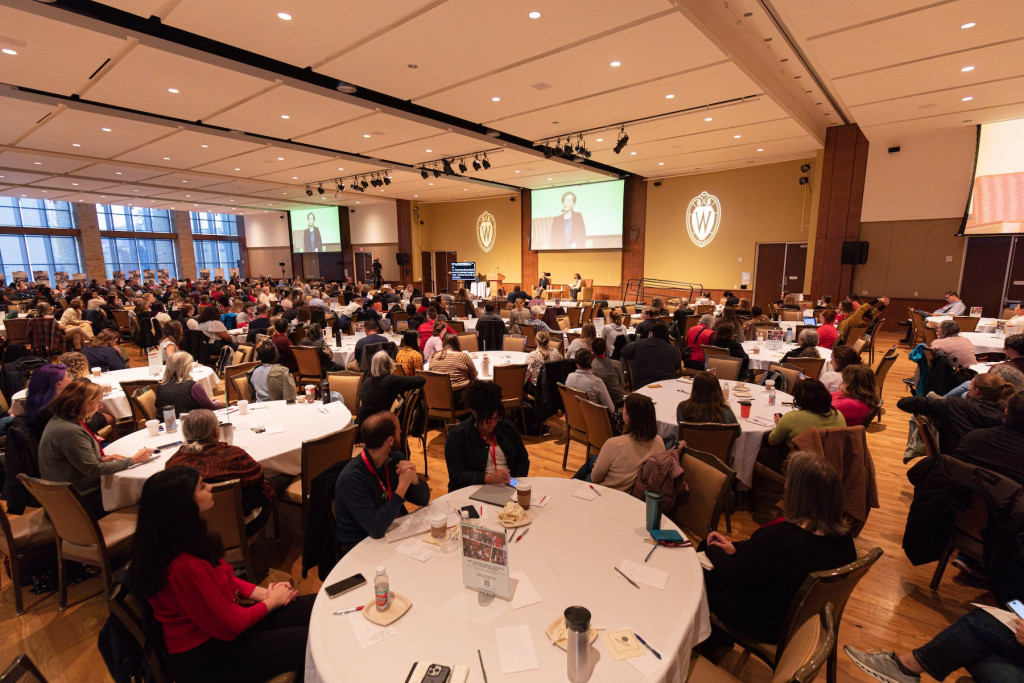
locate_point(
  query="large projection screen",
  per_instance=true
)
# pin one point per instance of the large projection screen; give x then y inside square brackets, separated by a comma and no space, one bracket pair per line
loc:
[315,230]
[996,206]
[577,217]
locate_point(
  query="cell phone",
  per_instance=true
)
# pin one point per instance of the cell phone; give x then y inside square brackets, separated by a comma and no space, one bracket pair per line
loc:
[1017,607]
[473,512]
[778,415]
[166,445]
[345,585]
[437,673]
[513,482]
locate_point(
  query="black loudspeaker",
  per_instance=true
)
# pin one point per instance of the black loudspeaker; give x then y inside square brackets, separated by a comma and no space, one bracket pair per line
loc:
[402,258]
[854,253]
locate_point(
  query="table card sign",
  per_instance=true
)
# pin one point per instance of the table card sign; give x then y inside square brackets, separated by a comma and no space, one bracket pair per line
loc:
[163,273]
[359,329]
[232,272]
[156,363]
[975,311]
[41,277]
[80,277]
[485,560]
[218,273]
[134,274]
[774,339]
[61,277]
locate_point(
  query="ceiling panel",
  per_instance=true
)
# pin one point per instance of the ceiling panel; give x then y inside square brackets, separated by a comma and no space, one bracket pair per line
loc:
[370,132]
[74,183]
[430,148]
[189,149]
[320,171]
[15,177]
[182,195]
[814,18]
[52,56]
[97,135]
[203,88]
[119,172]
[265,160]
[306,112]
[20,116]
[929,105]
[186,181]
[240,187]
[31,192]
[465,39]
[44,163]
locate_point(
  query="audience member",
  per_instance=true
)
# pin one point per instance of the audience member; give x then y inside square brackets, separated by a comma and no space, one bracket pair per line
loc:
[409,357]
[842,356]
[998,448]
[270,381]
[378,391]
[588,333]
[451,360]
[583,379]
[102,352]
[653,358]
[546,352]
[807,346]
[827,332]
[485,448]
[983,406]
[610,372]
[706,402]
[617,464]
[959,350]
[178,389]
[857,396]
[697,337]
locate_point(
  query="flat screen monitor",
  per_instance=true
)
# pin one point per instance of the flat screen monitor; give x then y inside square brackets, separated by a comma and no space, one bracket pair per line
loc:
[315,230]
[810,321]
[996,203]
[577,217]
[464,270]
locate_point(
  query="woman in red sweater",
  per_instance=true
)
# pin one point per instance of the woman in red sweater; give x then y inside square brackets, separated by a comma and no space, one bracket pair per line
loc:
[216,627]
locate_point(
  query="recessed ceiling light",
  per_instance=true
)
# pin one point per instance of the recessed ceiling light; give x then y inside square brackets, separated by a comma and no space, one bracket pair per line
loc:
[295,177]
[534,15]
[967,68]
[340,168]
[238,169]
[760,149]
[670,96]
[280,158]
[38,163]
[9,51]
[285,116]
[167,158]
[661,163]
[966,99]
[284,16]
[415,195]
[599,140]
[517,170]
[430,184]
[74,184]
[632,154]
[105,130]
[429,151]
[549,178]
[495,99]
[366,135]
[134,190]
[118,173]
[969,24]
[173,91]
[75,144]
[204,146]
[616,63]
[708,119]
[736,137]
[184,181]
[45,191]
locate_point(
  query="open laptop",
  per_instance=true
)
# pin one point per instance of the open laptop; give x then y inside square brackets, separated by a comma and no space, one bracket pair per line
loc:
[493,494]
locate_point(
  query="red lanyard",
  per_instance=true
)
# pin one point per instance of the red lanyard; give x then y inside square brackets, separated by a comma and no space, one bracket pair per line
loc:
[94,435]
[385,493]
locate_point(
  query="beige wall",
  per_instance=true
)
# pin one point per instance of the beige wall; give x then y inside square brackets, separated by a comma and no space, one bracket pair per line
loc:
[603,267]
[374,224]
[759,204]
[451,226]
[263,261]
[911,259]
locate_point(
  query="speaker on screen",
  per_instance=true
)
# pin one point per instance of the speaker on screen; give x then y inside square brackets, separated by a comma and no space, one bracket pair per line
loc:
[854,253]
[402,258]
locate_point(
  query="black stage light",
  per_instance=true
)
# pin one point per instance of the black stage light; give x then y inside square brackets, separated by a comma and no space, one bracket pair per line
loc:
[548,152]
[309,192]
[341,186]
[363,184]
[476,163]
[387,180]
[485,163]
[623,141]
[354,185]
[447,166]
[462,166]
[437,174]
[320,188]
[567,150]
[424,174]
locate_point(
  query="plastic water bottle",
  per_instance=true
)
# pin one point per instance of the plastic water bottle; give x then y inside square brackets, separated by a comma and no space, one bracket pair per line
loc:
[770,384]
[382,590]
[789,334]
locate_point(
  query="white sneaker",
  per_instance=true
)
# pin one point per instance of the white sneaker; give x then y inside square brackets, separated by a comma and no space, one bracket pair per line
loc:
[881,665]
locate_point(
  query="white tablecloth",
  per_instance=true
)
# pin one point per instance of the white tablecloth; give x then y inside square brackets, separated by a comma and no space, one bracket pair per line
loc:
[116,402]
[984,324]
[766,356]
[496,358]
[346,352]
[744,451]
[279,452]
[985,342]
[568,557]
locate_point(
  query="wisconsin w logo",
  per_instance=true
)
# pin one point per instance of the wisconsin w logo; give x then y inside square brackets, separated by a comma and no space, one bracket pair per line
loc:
[703,216]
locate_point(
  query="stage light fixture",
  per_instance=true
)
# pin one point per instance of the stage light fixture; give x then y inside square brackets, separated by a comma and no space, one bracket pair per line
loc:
[548,152]
[485,163]
[424,174]
[462,166]
[309,192]
[567,150]
[341,185]
[623,141]
[476,162]
[437,174]
[320,188]
[363,184]
[387,180]
[354,185]
[447,166]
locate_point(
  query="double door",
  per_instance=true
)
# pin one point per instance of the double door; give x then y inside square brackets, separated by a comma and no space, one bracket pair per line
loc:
[778,267]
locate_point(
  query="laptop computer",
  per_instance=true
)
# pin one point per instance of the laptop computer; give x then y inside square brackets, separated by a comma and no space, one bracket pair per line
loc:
[493,494]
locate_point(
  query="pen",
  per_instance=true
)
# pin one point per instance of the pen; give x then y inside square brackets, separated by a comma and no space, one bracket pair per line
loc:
[594,490]
[350,609]
[652,551]
[542,500]
[644,643]
[482,669]
[526,531]
[635,584]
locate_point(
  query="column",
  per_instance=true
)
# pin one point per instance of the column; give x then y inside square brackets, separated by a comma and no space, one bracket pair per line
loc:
[91,242]
[186,247]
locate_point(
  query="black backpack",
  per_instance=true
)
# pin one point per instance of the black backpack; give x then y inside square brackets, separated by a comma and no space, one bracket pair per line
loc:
[780,379]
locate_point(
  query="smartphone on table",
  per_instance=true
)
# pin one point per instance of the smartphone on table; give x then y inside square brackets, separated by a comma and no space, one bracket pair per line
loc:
[345,585]
[1017,607]
[437,673]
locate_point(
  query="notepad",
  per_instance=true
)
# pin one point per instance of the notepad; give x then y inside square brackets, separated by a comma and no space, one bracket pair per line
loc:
[655,578]
[515,649]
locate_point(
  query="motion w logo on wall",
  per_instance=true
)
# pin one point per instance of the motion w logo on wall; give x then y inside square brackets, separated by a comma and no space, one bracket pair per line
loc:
[703,216]
[486,231]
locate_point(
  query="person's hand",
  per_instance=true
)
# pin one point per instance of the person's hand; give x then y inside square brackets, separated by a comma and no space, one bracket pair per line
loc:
[279,595]
[718,540]
[407,477]
[776,417]
[111,457]
[886,300]
[143,455]
[1020,631]
[500,477]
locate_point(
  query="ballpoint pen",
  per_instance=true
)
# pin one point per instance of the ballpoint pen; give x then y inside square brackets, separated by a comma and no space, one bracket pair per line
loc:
[594,490]
[652,551]
[350,609]
[644,643]
[635,584]
[525,531]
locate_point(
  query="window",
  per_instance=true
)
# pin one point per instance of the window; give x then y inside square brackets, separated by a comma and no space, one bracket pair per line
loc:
[133,219]
[214,224]
[30,252]
[137,253]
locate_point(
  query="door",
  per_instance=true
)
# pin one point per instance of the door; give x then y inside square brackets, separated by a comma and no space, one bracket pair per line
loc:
[364,266]
[427,267]
[779,267]
[983,282]
[443,269]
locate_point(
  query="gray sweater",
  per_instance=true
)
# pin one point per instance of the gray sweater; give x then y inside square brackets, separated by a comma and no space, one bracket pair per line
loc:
[67,452]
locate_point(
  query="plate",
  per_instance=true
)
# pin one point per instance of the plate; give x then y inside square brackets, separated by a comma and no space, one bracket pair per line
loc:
[513,525]
[399,606]
[558,633]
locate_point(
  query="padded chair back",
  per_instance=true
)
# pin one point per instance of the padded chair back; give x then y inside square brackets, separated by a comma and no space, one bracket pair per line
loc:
[703,308]
[511,379]
[227,518]
[575,314]
[924,428]
[17,330]
[457,325]
[598,422]
[31,530]
[810,647]
[347,384]
[319,454]
[240,389]
[468,342]
[143,404]
[1009,313]
[724,367]
[575,423]
[297,335]
[71,520]
[125,607]
[883,368]
[308,360]
[853,333]
[586,293]
[966,323]
[248,352]
[710,437]
[710,481]
[790,372]
[231,396]
[787,315]
[123,321]
[513,342]
[762,329]
[809,366]
[530,335]
[437,393]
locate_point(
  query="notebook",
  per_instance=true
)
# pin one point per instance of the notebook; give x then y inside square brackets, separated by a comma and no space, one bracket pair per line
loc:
[493,494]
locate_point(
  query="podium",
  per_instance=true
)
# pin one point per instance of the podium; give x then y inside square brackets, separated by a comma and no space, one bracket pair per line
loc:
[494,280]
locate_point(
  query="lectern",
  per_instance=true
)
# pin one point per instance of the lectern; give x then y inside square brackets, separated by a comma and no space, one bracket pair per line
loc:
[494,280]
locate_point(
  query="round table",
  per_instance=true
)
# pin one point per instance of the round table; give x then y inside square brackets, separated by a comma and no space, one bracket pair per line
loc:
[984,324]
[565,561]
[276,450]
[985,342]
[744,452]
[496,358]
[346,352]
[766,356]
[116,402]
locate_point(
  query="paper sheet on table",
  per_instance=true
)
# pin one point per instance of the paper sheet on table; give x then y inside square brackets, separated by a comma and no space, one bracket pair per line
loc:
[702,557]
[622,644]
[649,576]
[273,429]
[418,550]
[585,492]
[515,649]
[761,421]
[368,633]
[415,523]
[1005,617]
[523,594]
[646,663]
[332,407]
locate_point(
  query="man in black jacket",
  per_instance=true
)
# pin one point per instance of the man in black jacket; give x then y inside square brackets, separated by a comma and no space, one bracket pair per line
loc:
[259,325]
[653,358]
[982,407]
[1000,449]
[485,448]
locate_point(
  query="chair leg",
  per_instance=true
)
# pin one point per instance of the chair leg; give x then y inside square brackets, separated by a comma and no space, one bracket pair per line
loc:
[832,665]
[941,567]
[62,578]
[565,455]
[19,602]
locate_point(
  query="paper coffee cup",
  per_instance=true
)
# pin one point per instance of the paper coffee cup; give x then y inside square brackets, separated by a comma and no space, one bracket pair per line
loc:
[153,427]
[96,371]
[227,433]
[438,525]
[523,491]
[243,407]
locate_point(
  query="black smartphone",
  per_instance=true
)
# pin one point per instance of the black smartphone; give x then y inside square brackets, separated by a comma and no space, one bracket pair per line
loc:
[437,673]
[166,445]
[345,585]
[473,512]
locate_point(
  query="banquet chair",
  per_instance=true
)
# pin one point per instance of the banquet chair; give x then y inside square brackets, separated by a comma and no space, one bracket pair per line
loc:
[437,393]
[571,337]
[809,366]
[468,342]
[411,428]
[586,314]
[710,350]
[316,456]
[716,439]
[248,351]
[965,537]
[513,342]
[1009,312]
[703,308]
[563,322]
[17,331]
[924,429]
[881,370]
[511,379]
[762,329]
[929,334]
[724,367]
[143,404]
[457,325]
[125,607]
[346,383]
[598,422]
[830,586]
[787,315]
[130,389]
[22,670]
[231,396]
[529,335]
[627,373]
[799,662]
[123,322]
[308,360]
[297,336]
[790,372]
[631,309]
[853,333]
[80,537]
[227,519]
[22,538]
[575,314]
[710,481]
[575,423]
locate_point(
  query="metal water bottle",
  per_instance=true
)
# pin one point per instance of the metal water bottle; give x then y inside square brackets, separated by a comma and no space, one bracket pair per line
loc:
[653,509]
[577,646]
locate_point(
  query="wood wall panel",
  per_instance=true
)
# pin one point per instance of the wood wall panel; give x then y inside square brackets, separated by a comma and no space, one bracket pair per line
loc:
[264,260]
[985,273]
[529,258]
[404,209]
[634,212]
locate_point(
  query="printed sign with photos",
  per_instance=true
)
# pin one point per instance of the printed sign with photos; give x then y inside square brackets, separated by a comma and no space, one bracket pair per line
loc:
[975,311]
[41,277]
[485,560]
[149,274]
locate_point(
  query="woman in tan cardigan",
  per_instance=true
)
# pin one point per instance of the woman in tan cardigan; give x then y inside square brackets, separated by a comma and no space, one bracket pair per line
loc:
[619,461]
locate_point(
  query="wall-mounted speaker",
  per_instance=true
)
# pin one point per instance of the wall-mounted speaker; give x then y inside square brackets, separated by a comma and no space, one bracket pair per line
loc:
[402,258]
[854,253]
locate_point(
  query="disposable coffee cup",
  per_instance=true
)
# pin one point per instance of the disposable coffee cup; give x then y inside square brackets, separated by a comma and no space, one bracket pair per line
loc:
[523,490]
[96,372]
[107,388]
[744,408]
[227,433]
[153,427]
[243,407]
[769,384]
[438,525]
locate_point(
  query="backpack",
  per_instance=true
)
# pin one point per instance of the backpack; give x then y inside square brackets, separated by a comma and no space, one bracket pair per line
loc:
[780,379]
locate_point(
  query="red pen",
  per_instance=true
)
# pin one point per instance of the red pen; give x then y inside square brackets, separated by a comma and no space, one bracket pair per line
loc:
[542,500]
[594,490]
[522,534]
[350,609]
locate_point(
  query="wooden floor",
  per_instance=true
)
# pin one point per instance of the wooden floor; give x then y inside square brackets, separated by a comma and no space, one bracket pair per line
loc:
[892,607]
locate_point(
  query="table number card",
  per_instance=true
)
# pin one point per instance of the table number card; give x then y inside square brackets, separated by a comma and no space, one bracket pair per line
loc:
[975,311]
[156,363]
[485,560]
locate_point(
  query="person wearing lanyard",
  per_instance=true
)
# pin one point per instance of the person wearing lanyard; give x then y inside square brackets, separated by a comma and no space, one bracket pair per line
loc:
[484,448]
[372,488]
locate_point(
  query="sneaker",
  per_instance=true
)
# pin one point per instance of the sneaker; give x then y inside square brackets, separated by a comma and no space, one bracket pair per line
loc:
[880,665]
